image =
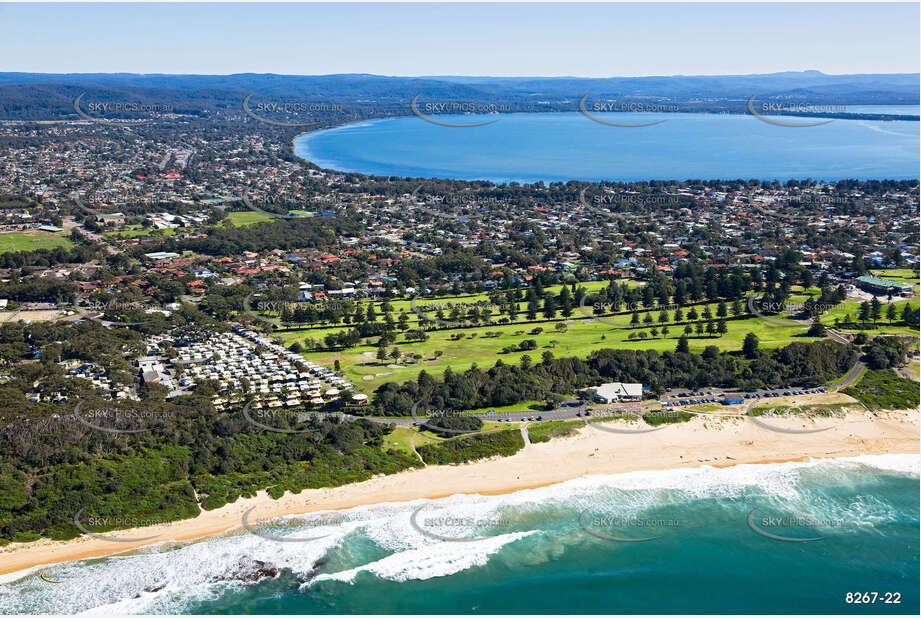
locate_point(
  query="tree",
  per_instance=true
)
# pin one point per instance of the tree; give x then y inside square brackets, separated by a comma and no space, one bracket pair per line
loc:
[721,327]
[910,316]
[817,329]
[682,347]
[664,332]
[864,314]
[876,310]
[382,354]
[395,353]
[688,329]
[750,346]
[736,308]
[533,307]
[891,313]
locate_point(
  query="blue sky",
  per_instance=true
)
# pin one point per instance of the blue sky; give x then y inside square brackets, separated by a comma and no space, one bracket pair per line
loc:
[470,39]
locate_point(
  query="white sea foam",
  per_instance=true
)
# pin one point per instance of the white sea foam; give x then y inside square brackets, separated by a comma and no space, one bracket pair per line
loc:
[434,560]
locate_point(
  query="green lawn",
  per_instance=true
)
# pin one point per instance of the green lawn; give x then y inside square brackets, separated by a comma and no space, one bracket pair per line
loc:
[402,439]
[137,232]
[32,240]
[247,217]
[580,339]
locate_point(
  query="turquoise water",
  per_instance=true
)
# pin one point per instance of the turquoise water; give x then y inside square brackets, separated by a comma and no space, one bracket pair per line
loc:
[532,555]
[569,146]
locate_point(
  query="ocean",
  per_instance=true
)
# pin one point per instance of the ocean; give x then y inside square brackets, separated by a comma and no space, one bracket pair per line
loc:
[803,537]
[556,147]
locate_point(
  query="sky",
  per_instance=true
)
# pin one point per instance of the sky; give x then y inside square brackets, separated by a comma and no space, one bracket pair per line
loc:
[590,40]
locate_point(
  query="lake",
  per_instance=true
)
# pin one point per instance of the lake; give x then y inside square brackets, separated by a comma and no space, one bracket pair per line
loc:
[570,146]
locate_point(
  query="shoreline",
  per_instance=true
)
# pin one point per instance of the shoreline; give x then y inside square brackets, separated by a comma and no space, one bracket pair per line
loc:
[702,442]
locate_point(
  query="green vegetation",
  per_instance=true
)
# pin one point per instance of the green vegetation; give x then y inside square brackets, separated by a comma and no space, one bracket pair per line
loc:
[473,447]
[546,431]
[816,409]
[246,218]
[51,465]
[32,241]
[665,417]
[798,364]
[447,425]
[139,232]
[403,439]
[884,390]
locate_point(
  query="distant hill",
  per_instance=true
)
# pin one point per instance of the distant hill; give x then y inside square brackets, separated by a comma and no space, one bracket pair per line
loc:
[32,95]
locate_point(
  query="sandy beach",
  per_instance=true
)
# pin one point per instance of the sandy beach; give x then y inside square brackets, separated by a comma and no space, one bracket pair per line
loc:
[704,441]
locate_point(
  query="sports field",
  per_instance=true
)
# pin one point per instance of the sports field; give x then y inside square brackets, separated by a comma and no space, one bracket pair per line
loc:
[32,240]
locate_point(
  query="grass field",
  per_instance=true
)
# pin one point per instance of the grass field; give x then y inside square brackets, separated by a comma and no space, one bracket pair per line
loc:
[402,439]
[138,232]
[462,347]
[32,240]
[247,217]
[580,338]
